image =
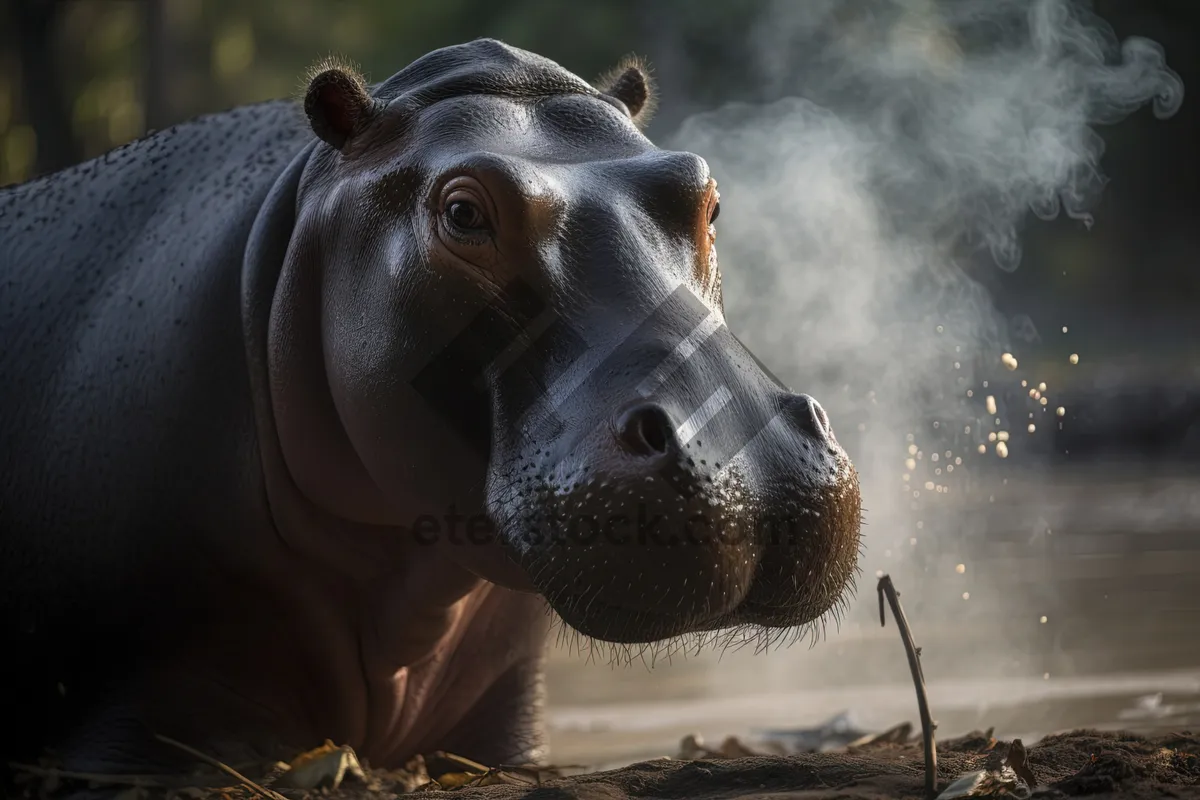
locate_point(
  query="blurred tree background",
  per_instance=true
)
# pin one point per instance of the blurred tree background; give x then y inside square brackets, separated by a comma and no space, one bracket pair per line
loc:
[78,77]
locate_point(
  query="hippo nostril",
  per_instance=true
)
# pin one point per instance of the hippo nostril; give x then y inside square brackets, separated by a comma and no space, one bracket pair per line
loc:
[809,415]
[821,417]
[646,430]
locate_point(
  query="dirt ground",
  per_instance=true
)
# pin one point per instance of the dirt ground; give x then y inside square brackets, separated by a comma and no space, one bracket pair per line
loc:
[1078,764]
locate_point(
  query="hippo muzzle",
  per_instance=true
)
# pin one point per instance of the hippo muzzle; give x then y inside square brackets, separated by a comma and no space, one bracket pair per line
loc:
[676,486]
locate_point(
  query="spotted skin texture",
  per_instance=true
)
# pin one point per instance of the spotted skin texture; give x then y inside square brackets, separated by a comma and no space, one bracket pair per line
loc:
[216,447]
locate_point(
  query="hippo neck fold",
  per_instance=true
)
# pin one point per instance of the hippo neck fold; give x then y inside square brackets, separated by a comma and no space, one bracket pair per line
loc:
[306,454]
[300,522]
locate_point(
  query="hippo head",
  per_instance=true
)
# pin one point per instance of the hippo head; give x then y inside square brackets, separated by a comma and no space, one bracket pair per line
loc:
[520,313]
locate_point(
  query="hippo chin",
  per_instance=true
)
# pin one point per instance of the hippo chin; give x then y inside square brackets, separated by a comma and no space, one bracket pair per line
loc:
[302,434]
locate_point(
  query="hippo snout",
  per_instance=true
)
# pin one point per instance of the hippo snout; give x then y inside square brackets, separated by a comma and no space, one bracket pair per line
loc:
[659,527]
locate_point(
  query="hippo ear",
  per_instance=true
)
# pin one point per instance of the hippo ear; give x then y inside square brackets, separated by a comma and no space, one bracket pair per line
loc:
[337,103]
[630,83]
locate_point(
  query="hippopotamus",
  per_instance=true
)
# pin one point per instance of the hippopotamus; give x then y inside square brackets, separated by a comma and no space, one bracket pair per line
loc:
[318,415]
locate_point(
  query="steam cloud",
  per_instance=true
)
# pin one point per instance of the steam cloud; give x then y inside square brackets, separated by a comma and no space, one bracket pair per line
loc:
[918,136]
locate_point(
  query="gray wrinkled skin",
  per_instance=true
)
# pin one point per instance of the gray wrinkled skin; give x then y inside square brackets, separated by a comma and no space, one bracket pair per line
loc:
[214,452]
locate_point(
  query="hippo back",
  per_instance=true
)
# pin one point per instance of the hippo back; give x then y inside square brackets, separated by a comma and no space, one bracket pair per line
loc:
[125,398]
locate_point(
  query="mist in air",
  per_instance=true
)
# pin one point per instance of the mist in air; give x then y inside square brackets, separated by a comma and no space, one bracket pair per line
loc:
[917,140]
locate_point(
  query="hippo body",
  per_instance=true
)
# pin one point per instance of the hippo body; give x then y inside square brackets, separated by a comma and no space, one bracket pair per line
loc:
[213,455]
[129,417]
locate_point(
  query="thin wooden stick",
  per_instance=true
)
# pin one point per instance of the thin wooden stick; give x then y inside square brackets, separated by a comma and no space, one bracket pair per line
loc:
[914,664]
[148,781]
[228,770]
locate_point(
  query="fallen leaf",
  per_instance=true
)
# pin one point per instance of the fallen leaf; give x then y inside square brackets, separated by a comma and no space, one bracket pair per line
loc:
[322,767]
[443,763]
[897,734]
[1003,782]
[455,780]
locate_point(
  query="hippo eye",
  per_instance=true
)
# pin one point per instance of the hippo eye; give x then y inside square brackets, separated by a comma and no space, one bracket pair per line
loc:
[715,212]
[465,216]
